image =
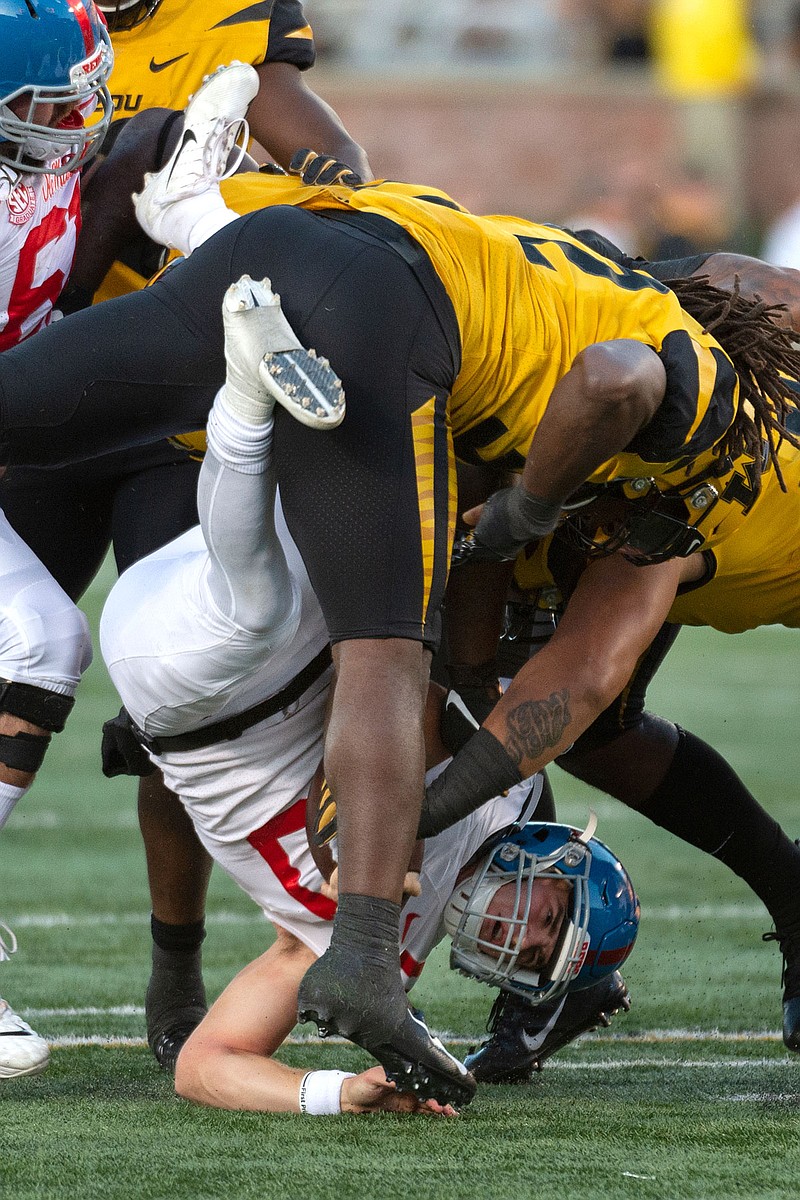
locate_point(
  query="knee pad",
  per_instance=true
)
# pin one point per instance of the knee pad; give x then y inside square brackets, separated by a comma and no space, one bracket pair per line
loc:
[24,751]
[35,704]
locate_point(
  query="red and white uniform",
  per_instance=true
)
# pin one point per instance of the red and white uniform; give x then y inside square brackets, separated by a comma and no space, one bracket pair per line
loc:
[207,627]
[44,639]
[39,224]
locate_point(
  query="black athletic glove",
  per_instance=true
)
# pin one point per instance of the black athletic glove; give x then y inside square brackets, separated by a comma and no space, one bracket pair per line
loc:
[321,169]
[121,751]
[510,519]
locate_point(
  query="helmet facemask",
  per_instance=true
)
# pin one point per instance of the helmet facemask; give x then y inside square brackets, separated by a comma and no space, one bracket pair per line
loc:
[635,518]
[127,14]
[503,964]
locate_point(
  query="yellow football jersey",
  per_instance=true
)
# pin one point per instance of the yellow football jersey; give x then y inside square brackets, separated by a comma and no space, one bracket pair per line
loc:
[528,298]
[753,547]
[161,62]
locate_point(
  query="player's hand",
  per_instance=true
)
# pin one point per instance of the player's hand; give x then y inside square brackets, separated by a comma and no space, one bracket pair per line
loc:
[505,524]
[371,1092]
[330,888]
[322,170]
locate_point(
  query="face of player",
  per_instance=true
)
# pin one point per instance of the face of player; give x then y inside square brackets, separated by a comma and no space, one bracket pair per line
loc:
[49,115]
[537,945]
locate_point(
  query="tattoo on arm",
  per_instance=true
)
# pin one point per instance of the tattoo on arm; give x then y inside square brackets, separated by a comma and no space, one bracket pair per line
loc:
[537,725]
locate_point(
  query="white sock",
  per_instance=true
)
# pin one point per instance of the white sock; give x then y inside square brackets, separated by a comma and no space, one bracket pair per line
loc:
[241,445]
[209,224]
[9,798]
[186,224]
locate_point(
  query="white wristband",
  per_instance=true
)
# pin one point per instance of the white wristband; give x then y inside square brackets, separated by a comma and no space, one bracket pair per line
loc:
[321,1092]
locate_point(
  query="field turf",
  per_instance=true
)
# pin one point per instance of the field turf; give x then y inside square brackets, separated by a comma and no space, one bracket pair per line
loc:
[689,1095]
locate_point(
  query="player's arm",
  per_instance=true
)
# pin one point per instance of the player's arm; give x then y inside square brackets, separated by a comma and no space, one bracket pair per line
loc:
[612,616]
[757,280]
[227,1062]
[611,391]
[287,115]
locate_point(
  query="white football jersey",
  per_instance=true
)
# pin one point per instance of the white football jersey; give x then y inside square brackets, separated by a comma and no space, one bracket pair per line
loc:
[39,224]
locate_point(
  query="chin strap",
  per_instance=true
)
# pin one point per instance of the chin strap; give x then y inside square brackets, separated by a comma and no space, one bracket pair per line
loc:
[591,826]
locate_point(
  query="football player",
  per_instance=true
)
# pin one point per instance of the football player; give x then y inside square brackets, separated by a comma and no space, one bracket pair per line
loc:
[56,61]
[139,500]
[487,338]
[581,699]
[220,653]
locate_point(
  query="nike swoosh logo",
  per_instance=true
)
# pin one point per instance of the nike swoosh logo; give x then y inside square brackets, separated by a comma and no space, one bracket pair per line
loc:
[454,701]
[188,136]
[156,67]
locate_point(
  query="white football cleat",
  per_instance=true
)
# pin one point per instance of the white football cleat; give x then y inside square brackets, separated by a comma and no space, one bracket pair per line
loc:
[264,346]
[213,123]
[22,1052]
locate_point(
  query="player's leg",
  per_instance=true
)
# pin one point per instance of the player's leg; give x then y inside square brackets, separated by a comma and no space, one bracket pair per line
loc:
[685,786]
[155,500]
[353,503]
[46,647]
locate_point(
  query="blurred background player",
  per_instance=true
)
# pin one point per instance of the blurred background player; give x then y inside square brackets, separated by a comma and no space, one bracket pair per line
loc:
[55,64]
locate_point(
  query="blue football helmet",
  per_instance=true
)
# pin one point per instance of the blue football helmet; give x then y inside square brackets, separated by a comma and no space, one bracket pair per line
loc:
[54,52]
[123,15]
[598,930]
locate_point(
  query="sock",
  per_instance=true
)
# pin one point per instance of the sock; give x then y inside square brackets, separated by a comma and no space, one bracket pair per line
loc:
[182,938]
[209,224]
[176,998]
[702,800]
[9,798]
[370,927]
[186,224]
[240,444]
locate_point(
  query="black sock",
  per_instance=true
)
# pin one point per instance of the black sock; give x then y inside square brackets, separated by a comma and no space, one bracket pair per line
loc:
[182,938]
[702,800]
[370,927]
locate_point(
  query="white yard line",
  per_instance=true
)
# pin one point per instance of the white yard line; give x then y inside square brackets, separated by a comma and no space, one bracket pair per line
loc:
[671,912]
[652,1037]
[603,1064]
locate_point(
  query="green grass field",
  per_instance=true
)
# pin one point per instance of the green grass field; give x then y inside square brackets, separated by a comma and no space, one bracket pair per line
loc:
[689,1095]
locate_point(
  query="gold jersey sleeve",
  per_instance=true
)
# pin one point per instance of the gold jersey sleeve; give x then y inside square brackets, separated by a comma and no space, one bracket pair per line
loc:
[527,299]
[161,62]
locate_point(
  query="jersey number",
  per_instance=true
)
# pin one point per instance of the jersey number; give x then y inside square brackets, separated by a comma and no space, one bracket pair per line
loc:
[266,841]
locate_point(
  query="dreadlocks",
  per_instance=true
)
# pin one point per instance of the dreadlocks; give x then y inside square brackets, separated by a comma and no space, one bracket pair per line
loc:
[762,353]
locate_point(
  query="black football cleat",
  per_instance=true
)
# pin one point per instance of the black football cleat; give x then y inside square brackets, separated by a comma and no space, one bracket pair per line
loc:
[342,995]
[167,1045]
[790,981]
[524,1035]
[175,1003]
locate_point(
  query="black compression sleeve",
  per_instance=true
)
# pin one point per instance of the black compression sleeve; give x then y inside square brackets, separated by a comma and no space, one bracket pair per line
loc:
[481,769]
